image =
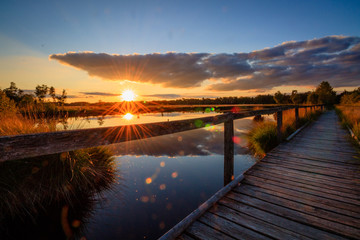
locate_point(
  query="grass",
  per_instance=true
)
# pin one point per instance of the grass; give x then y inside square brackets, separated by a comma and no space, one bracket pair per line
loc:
[350,116]
[31,188]
[263,136]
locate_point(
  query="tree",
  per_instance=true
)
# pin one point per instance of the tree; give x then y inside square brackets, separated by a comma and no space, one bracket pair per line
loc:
[313,98]
[326,93]
[281,98]
[41,91]
[295,97]
[351,98]
[61,99]
[52,93]
[13,92]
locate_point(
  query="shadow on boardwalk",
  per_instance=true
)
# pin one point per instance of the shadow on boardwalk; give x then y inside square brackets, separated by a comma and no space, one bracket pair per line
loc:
[307,188]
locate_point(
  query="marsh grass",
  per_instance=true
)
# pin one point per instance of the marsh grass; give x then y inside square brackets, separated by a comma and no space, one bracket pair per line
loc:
[27,185]
[263,136]
[350,116]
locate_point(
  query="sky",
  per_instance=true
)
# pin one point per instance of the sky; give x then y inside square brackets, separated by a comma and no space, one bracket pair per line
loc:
[173,49]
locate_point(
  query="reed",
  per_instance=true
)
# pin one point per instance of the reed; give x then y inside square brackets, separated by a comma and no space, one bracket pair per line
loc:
[350,116]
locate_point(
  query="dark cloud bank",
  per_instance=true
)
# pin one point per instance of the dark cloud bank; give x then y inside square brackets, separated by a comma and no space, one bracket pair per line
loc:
[335,59]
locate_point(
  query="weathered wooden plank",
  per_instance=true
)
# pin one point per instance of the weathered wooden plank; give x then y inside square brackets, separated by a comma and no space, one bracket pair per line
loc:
[302,189]
[348,183]
[301,198]
[203,231]
[255,224]
[316,170]
[230,228]
[303,194]
[284,176]
[301,207]
[317,150]
[317,155]
[350,174]
[184,237]
[296,227]
[326,225]
[310,161]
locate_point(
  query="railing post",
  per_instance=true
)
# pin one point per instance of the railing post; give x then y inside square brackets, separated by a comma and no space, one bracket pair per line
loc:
[279,125]
[228,151]
[297,123]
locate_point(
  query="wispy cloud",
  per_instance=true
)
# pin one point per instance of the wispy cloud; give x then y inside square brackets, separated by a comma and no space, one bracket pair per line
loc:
[333,58]
[163,96]
[101,94]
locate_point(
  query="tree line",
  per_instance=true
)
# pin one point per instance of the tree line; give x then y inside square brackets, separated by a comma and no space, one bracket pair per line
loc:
[22,99]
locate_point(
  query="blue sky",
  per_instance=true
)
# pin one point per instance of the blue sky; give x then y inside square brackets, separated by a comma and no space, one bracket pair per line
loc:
[43,28]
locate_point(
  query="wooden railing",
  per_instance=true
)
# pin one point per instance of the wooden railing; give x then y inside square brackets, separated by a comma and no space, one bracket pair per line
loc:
[39,144]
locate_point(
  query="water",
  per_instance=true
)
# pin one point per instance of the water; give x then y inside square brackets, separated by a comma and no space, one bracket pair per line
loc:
[159,180]
[163,179]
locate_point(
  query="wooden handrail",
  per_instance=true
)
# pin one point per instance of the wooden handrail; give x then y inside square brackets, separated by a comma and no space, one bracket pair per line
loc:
[39,144]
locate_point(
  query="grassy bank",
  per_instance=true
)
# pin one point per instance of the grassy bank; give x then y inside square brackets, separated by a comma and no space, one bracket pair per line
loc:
[263,136]
[350,117]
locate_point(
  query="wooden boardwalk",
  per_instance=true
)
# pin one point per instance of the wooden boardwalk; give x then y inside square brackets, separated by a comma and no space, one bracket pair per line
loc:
[308,188]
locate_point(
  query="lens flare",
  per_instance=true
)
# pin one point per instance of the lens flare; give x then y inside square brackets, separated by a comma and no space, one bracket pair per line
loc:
[128,95]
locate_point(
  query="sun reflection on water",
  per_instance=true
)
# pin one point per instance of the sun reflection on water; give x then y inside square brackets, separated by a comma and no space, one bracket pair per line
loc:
[128,116]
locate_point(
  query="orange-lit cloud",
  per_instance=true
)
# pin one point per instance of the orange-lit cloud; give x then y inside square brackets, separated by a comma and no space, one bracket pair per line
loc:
[333,58]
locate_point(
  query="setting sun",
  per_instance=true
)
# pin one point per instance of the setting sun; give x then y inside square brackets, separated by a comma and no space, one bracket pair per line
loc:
[128,95]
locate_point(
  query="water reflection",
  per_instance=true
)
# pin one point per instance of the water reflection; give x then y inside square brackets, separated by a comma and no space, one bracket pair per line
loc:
[206,141]
[51,197]
[166,178]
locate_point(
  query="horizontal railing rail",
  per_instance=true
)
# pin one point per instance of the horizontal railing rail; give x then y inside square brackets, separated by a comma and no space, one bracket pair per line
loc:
[39,144]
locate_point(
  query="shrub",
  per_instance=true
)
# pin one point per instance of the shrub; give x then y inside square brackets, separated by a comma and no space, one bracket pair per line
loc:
[262,138]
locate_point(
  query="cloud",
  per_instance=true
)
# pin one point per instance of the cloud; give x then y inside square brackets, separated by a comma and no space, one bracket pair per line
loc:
[163,96]
[334,59]
[100,94]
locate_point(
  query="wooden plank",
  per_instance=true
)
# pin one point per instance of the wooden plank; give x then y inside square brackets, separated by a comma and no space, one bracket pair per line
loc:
[291,185]
[303,179]
[350,174]
[184,237]
[310,185]
[351,184]
[309,160]
[317,155]
[255,224]
[296,227]
[317,150]
[326,225]
[301,198]
[230,228]
[305,195]
[312,170]
[300,207]
[203,231]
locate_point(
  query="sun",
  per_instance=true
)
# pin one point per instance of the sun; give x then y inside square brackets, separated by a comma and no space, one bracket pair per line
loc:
[128,95]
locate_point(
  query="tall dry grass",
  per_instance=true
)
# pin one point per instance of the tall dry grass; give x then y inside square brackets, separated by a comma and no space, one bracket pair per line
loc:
[350,116]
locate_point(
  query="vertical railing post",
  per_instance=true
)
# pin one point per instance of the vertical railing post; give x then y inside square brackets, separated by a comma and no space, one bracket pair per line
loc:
[228,150]
[279,125]
[297,123]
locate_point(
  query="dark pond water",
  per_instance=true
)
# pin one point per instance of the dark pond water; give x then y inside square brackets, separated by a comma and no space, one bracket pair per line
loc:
[158,182]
